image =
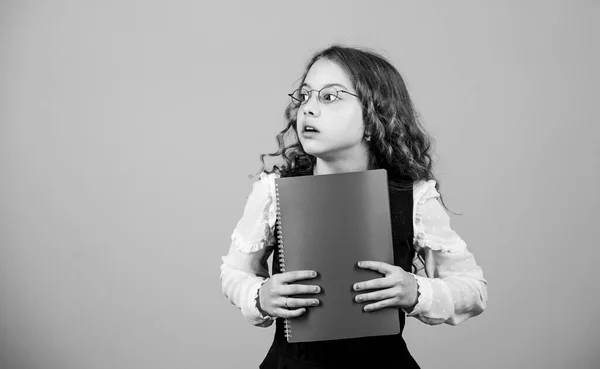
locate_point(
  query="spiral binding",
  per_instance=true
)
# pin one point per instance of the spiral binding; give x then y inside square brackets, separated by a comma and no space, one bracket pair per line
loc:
[287,325]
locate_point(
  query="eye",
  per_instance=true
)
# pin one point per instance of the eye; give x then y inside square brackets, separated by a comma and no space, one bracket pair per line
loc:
[304,95]
[329,97]
[299,96]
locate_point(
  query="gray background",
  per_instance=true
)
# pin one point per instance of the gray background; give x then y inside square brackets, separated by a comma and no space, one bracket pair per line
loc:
[128,129]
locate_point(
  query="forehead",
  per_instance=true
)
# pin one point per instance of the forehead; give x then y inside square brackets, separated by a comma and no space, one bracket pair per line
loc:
[324,72]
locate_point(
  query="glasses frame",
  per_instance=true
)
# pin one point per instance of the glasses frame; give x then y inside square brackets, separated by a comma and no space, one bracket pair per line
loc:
[296,102]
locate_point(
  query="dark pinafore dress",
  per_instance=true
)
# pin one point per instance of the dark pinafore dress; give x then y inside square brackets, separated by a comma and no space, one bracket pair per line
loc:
[367,352]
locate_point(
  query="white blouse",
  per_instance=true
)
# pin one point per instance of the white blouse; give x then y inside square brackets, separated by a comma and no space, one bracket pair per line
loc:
[451,285]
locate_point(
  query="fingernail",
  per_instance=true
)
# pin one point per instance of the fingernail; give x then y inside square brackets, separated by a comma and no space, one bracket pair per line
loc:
[315,302]
[358,298]
[317,289]
[314,274]
[367,308]
[360,263]
[356,287]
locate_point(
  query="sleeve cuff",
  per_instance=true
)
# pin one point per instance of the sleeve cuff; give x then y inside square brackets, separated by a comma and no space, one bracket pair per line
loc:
[424,300]
[255,316]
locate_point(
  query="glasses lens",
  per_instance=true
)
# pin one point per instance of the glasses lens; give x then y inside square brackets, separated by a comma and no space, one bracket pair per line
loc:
[299,96]
[328,95]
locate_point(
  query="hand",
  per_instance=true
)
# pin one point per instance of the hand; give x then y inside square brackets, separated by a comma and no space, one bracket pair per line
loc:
[273,295]
[397,289]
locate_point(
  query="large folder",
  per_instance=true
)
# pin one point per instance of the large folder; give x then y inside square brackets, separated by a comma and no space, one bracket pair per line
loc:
[328,223]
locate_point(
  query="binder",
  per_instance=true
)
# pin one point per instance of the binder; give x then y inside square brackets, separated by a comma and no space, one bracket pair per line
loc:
[328,223]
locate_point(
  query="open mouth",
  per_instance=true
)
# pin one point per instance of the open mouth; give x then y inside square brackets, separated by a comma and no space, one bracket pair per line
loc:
[310,129]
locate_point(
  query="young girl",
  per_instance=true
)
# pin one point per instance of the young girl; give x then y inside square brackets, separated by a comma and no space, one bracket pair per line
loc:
[351,113]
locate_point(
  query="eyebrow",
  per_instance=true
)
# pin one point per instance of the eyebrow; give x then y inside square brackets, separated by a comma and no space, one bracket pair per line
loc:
[326,85]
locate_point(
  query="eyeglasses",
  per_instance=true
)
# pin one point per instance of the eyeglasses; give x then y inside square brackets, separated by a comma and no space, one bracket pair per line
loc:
[326,95]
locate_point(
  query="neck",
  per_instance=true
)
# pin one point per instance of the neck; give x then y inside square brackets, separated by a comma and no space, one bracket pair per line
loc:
[324,166]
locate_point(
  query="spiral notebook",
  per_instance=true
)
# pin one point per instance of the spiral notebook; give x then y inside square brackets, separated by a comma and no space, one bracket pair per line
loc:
[328,223]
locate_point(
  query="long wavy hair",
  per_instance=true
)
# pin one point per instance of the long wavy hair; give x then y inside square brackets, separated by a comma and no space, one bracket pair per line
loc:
[399,142]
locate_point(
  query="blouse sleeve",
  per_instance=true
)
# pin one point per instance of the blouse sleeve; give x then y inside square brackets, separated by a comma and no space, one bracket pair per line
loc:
[453,288]
[244,269]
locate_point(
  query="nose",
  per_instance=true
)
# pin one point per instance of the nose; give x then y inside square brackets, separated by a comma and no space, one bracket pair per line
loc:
[311,107]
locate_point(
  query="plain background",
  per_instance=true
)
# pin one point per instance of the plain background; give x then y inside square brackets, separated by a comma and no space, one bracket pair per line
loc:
[129,128]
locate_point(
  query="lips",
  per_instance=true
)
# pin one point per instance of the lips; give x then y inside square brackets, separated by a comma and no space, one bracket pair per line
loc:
[309,128]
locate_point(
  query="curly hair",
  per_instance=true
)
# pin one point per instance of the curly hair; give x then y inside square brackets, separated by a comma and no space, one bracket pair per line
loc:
[399,142]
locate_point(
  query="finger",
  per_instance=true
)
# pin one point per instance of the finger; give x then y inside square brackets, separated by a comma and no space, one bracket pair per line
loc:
[380,305]
[298,289]
[293,303]
[297,275]
[378,266]
[285,313]
[376,296]
[372,284]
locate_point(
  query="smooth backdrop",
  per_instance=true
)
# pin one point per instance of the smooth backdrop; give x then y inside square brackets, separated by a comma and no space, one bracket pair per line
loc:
[128,130]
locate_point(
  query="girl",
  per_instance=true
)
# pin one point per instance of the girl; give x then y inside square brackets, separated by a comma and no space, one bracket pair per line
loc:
[353,112]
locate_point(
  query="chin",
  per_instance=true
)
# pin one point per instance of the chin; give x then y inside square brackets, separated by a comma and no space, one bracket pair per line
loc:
[311,148]
[319,152]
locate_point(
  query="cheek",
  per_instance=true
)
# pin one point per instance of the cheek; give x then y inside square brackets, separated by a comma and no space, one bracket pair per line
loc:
[299,115]
[354,120]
